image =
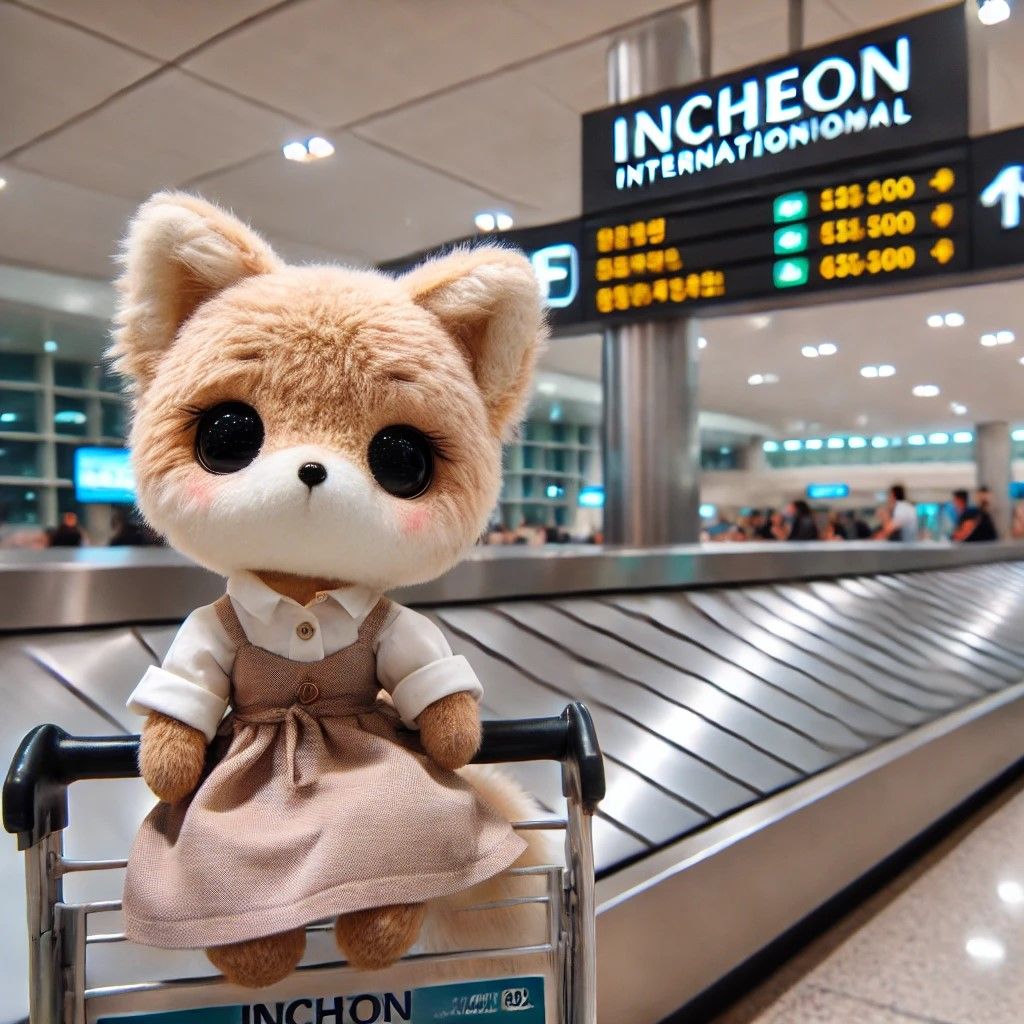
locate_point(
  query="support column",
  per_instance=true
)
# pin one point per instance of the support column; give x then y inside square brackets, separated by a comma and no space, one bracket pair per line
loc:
[992,456]
[751,456]
[651,444]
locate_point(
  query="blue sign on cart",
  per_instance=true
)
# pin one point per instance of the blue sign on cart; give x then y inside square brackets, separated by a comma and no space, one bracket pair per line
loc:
[503,1001]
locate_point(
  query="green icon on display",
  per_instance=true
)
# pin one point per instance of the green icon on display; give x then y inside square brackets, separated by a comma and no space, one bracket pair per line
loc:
[790,239]
[790,273]
[790,206]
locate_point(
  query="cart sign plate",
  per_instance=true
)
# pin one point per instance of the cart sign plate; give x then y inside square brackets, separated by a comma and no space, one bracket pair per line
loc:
[502,1001]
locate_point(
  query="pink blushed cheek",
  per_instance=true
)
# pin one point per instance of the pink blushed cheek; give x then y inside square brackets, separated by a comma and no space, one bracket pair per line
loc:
[199,492]
[413,520]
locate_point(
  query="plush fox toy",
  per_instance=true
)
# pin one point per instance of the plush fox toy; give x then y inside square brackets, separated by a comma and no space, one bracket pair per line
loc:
[319,436]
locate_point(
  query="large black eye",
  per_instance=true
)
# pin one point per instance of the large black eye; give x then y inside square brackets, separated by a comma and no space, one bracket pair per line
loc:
[229,437]
[402,461]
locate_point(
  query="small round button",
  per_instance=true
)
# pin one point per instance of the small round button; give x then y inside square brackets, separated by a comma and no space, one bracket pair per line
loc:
[305,630]
[308,692]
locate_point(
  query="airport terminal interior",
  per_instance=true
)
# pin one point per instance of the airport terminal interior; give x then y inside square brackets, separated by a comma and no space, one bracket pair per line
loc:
[728,293]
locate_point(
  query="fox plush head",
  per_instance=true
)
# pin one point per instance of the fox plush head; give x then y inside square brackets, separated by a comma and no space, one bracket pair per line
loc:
[317,420]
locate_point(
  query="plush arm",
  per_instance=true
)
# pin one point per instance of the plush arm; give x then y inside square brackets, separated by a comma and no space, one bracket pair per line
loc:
[183,701]
[433,689]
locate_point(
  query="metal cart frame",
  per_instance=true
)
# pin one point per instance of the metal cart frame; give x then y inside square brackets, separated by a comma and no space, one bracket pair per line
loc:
[35,808]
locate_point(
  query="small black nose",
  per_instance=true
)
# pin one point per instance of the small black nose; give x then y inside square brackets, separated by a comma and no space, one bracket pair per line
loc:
[312,473]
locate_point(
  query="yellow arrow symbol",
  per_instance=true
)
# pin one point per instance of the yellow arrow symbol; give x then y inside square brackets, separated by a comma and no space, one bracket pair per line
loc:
[942,251]
[943,179]
[942,216]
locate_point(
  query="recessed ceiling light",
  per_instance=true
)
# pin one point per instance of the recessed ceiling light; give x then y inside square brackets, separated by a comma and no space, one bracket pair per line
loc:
[827,348]
[3,184]
[755,378]
[869,371]
[1005,337]
[885,370]
[862,420]
[50,345]
[954,320]
[992,12]
[982,948]
[963,437]
[547,387]
[925,390]
[702,342]
[314,148]
[936,320]
[957,408]
[771,378]
[493,220]
[988,340]
[809,352]
[319,147]
[938,438]
[1011,892]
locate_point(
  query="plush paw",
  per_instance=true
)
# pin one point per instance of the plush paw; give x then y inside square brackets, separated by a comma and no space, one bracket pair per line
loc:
[171,757]
[374,939]
[450,730]
[259,962]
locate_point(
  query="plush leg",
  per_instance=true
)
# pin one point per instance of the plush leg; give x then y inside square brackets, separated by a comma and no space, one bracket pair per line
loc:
[372,939]
[259,962]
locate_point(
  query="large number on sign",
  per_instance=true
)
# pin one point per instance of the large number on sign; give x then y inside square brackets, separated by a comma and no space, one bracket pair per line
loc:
[886,225]
[890,190]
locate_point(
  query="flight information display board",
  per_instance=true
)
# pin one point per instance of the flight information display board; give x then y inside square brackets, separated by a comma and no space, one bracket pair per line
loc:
[828,229]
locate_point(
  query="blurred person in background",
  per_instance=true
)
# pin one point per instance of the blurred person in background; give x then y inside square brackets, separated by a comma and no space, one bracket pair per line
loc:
[761,525]
[1017,526]
[130,531]
[857,527]
[67,533]
[836,527]
[974,522]
[801,521]
[901,521]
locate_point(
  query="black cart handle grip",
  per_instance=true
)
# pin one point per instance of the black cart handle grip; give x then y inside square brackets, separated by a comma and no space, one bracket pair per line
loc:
[35,802]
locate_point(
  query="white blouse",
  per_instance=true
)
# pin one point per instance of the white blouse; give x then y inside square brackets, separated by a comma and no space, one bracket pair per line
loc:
[415,663]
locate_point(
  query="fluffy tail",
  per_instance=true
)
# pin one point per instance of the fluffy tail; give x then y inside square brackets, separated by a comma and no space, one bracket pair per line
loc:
[451,925]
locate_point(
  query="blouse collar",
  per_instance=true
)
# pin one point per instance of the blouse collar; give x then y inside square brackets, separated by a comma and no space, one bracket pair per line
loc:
[261,601]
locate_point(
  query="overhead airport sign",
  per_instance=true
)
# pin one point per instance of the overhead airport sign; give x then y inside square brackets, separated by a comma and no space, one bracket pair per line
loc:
[839,229]
[898,87]
[997,217]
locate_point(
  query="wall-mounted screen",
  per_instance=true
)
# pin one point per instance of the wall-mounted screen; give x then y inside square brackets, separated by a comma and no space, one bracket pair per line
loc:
[104,475]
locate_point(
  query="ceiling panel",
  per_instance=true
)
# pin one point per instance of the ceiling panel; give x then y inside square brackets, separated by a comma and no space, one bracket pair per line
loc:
[577,77]
[50,72]
[345,61]
[747,33]
[831,393]
[45,223]
[170,129]
[506,134]
[363,203]
[573,19]
[865,14]
[824,22]
[149,25]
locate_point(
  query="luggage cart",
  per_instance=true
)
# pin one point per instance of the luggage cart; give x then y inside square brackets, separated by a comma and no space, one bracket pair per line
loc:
[62,943]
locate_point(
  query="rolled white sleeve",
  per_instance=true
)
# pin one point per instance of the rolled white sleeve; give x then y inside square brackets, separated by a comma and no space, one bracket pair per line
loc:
[194,683]
[416,666]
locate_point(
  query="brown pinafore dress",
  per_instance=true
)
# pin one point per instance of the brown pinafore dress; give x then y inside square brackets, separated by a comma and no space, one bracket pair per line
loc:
[321,805]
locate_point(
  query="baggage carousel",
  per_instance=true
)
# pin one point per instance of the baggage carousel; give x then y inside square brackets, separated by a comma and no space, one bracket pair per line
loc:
[776,719]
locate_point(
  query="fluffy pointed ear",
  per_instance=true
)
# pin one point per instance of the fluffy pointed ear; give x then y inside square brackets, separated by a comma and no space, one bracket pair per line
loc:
[489,301]
[179,251]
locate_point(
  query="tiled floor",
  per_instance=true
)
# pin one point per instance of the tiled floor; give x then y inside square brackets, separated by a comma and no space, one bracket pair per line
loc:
[942,944]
